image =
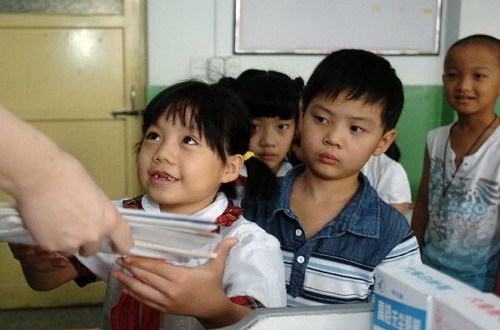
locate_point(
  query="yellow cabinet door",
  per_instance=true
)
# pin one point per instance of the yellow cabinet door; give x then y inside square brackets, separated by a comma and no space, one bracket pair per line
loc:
[65,74]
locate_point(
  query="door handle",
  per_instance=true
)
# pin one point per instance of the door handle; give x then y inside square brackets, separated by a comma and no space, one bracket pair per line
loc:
[126,113]
[132,112]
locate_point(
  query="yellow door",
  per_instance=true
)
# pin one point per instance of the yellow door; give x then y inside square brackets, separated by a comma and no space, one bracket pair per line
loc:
[65,69]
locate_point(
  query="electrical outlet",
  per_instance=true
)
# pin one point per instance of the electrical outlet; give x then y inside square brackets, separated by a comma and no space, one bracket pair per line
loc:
[232,67]
[215,68]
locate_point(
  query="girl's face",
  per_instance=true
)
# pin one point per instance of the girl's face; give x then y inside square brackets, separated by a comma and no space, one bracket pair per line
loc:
[272,139]
[179,171]
[472,78]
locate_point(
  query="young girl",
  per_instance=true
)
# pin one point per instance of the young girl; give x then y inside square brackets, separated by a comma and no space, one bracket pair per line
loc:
[194,139]
[273,100]
[456,217]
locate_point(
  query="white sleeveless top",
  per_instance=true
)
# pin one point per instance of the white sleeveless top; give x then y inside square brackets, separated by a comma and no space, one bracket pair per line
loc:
[463,234]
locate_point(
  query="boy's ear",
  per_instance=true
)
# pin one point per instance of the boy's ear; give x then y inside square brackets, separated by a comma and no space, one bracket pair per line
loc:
[233,167]
[385,142]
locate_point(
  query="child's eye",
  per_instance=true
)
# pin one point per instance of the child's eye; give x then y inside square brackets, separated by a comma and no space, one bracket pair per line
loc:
[450,75]
[189,140]
[283,126]
[256,127]
[152,136]
[356,129]
[479,76]
[321,120]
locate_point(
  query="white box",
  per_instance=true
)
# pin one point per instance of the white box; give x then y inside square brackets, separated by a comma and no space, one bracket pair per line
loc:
[472,312]
[403,295]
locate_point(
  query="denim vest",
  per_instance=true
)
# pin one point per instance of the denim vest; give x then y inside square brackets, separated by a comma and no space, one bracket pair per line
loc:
[362,235]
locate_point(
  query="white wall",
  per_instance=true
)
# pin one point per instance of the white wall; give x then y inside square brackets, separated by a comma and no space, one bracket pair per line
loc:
[178,31]
[184,35]
[480,16]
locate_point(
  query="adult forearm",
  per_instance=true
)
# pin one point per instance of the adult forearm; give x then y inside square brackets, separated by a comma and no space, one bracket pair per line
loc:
[38,174]
[28,156]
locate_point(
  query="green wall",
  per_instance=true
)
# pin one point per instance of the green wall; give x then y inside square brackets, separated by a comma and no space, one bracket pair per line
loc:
[152,91]
[425,109]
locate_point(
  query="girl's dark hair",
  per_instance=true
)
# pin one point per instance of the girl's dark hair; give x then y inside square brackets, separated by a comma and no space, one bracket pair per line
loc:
[222,120]
[362,75]
[268,93]
[393,152]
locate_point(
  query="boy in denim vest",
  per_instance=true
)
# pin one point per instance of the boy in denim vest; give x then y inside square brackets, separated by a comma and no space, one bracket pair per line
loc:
[333,228]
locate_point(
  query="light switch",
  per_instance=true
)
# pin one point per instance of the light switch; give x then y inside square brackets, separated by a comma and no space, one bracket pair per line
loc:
[198,68]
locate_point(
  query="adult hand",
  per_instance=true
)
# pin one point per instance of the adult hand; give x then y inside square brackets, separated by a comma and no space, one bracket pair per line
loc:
[66,211]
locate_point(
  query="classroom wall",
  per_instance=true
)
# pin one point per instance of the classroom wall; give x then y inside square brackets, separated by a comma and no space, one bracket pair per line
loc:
[184,37]
[184,34]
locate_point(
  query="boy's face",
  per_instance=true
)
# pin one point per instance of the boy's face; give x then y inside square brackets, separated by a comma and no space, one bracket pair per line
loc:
[272,139]
[339,136]
[471,78]
[179,171]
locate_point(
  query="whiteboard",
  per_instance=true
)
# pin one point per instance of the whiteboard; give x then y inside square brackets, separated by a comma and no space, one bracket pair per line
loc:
[388,27]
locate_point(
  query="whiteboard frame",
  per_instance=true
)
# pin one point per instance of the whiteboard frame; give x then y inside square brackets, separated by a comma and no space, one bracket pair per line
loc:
[239,50]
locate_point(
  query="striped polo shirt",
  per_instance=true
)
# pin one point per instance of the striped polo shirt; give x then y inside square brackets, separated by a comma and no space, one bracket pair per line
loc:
[336,265]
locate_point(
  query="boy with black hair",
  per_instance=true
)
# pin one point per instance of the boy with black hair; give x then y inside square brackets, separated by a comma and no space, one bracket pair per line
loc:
[456,217]
[333,228]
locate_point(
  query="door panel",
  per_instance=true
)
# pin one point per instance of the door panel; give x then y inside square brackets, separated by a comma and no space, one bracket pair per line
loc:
[100,145]
[62,73]
[65,74]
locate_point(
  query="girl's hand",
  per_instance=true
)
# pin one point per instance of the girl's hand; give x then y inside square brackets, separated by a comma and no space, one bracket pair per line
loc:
[38,259]
[43,270]
[195,291]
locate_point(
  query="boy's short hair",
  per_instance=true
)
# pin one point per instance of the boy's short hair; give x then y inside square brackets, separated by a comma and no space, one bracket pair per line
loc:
[362,75]
[478,39]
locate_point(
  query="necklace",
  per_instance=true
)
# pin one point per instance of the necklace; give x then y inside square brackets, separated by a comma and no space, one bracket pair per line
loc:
[442,200]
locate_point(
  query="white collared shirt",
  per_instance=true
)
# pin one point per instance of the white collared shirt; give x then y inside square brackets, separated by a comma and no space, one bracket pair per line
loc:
[253,268]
